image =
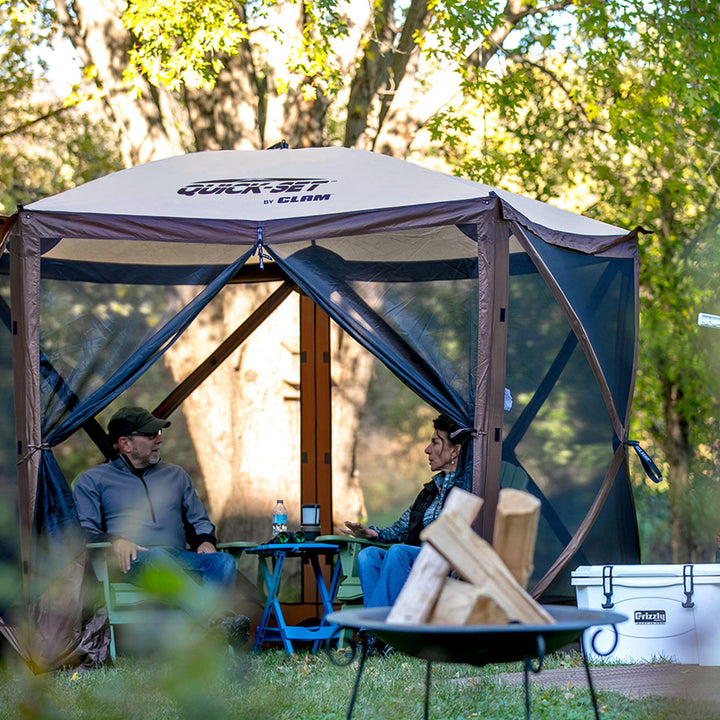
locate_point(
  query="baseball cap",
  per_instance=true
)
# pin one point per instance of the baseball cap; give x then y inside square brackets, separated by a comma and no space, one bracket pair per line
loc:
[134,419]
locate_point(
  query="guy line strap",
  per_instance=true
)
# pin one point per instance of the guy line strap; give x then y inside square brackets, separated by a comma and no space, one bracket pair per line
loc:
[650,468]
[31,450]
[472,432]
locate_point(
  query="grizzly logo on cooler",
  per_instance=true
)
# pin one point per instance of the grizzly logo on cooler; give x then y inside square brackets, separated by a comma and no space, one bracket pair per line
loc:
[650,617]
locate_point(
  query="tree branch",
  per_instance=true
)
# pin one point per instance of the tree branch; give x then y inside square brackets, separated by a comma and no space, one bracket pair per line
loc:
[513,13]
[41,118]
[558,82]
[415,20]
[371,72]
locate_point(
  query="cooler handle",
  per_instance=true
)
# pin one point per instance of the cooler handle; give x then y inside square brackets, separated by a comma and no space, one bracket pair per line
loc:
[607,586]
[688,586]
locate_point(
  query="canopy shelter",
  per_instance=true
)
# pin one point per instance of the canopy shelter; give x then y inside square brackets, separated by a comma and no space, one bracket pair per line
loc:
[460,289]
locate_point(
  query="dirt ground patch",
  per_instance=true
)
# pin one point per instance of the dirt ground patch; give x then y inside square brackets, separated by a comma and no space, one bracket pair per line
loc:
[691,682]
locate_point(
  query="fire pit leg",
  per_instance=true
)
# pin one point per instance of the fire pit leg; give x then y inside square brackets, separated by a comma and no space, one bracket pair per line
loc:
[363,645]
[540,643]
[589,678]
[601,653]
[427,688]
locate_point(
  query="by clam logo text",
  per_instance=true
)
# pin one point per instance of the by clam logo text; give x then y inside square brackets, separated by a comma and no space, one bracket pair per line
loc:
[272,191]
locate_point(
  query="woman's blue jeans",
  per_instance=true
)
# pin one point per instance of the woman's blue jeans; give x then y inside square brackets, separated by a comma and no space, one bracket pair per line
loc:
[383,572]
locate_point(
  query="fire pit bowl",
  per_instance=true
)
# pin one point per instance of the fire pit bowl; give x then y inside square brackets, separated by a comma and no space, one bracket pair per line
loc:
[477,644]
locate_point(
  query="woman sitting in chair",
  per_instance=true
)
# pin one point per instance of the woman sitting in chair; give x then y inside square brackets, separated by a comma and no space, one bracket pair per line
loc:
[383,572]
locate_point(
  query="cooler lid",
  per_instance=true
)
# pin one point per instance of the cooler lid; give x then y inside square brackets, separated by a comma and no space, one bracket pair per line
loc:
[649,570]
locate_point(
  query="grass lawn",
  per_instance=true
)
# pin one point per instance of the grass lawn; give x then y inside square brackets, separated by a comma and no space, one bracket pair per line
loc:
[201,682]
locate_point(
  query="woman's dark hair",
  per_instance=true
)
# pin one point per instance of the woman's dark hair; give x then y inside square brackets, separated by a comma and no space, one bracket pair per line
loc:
[455,433]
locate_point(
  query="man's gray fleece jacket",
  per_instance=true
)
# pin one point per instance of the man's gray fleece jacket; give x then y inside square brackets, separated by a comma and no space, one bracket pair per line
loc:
[159,509]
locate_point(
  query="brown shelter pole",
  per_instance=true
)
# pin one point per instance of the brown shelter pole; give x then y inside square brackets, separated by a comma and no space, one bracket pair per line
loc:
[173,401]
[315,427]
[493,272]
[315,410]
[25,329]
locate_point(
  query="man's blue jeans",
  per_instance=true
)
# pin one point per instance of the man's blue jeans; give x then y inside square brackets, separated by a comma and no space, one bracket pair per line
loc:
[384,572]
[199,583]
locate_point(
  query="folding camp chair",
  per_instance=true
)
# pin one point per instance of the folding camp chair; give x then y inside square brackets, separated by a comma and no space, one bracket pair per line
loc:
[128,604]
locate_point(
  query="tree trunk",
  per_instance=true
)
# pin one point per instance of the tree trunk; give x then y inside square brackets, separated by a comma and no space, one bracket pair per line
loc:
[678,452]
[230,116]
[245,418]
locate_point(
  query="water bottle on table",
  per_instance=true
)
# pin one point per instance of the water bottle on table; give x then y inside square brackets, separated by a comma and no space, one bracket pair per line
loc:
[279,519]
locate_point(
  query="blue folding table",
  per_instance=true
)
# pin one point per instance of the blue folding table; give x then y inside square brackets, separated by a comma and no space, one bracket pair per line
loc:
[271,559]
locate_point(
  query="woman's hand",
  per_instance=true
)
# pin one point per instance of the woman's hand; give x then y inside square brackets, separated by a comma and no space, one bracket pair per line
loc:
[359,530]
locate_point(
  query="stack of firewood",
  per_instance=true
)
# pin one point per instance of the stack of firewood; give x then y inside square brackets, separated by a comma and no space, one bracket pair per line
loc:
[494,577]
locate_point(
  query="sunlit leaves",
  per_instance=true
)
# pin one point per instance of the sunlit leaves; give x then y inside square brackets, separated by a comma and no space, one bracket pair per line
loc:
[312,66]
[450,127]
[23,30]
[459,26]
[183,42]
[180,41]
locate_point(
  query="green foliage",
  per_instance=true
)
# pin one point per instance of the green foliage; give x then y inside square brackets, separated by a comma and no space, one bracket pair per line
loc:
[654,521]
[24,27]
[314,62]
[457,26]
[30,113]
[180,43]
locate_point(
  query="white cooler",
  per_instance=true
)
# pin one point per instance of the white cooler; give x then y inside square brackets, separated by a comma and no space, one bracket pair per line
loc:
[673,611]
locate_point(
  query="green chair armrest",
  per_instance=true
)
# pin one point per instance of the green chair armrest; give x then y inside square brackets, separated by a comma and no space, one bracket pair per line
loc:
[127,603]
[98,560]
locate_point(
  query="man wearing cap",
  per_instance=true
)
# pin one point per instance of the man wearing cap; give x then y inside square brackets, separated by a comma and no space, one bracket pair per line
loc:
[149,510]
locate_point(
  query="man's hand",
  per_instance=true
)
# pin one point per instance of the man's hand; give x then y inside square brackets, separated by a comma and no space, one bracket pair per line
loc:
[126,552]
[359,530]
[206,547]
